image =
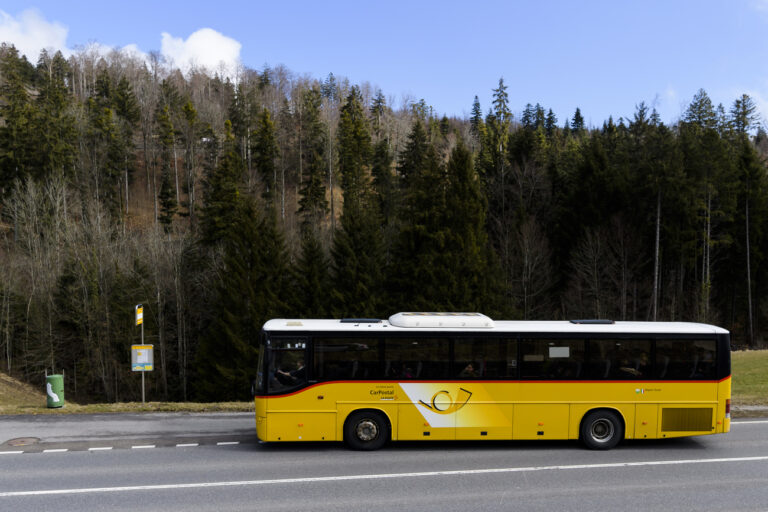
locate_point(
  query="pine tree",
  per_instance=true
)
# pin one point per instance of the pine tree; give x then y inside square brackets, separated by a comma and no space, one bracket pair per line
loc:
[384,181]
[471,264]
[577,122]
[222,192]
[550,123]
[356,254]
[167,198]
[354,153]
[265,152]
[313,205]
[166,195]
[312,282]
[701,112]
[413,157]
[54,124]
[476,119]
[378,108]
[228,352]
[744,114]
[17,132]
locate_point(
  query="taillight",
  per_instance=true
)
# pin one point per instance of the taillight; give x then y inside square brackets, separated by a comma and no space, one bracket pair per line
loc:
[728,408]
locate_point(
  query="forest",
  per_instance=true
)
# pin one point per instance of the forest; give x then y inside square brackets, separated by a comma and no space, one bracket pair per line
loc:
[219,203]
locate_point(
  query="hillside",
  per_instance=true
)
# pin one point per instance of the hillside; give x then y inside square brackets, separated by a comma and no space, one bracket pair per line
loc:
[15,394]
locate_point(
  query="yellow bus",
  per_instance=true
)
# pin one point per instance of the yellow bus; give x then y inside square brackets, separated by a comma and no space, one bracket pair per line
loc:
[462,376]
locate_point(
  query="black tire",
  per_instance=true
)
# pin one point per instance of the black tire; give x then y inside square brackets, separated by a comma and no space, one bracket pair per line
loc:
[601,430]
[366,430]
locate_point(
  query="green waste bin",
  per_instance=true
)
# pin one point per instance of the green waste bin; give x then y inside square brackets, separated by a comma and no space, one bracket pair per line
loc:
[54,389]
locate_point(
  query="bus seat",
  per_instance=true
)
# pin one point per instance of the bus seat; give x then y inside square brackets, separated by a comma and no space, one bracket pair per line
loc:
[607,368]
[664,367]
[695,366]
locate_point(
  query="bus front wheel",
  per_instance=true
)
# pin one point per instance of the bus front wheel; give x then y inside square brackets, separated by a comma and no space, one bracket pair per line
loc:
[601,430]
[366,430]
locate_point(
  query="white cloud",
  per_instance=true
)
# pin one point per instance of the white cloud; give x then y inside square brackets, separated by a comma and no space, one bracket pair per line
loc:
[760,5]
[205,48]
[29,32]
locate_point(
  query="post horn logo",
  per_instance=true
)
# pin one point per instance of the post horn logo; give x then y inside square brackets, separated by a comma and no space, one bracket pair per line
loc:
[447,406]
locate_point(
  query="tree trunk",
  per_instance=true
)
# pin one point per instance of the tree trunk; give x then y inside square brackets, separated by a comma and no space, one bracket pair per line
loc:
[749,273]
[654,306]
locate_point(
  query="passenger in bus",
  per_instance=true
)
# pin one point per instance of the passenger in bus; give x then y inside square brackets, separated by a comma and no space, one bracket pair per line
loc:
[408,373]
[292,377]
[637,366]
[468,372]
[703,364]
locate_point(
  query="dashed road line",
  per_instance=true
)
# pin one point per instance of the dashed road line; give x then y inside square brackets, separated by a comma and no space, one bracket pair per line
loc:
[80,448]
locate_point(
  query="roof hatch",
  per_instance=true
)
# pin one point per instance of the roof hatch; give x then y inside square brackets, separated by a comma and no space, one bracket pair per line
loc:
[436,320]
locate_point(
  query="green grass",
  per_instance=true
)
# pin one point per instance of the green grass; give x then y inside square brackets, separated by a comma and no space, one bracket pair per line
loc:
[750,377]
[750,388]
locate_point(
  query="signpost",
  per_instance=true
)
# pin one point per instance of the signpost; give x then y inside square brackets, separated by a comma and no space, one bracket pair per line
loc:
[142,356]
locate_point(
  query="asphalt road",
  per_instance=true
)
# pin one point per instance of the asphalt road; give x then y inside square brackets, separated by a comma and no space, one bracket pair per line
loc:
[191,462]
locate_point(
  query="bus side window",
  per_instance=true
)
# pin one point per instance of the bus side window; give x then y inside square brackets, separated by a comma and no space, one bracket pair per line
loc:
[686,359]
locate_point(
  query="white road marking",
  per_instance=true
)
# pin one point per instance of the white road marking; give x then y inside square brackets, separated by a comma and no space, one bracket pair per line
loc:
[99,448]
[16,451]
[142,446]
[343,478]
[56,450]
[186,445]
[748,422]
[225,443]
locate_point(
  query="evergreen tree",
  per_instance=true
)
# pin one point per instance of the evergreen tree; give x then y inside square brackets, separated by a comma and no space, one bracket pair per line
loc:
[378,108]
[17,132]
[744,114]
[166,194]
[222,192]
[701,112]
[413,158]
[313,205]
[577,123]
[354,153]
[167,200]
[417,276]
[356,253]
[54,124]
[476,119]
[528,116]
[384,182]
[310,294]
[265,152]
[550,123]
[228,352]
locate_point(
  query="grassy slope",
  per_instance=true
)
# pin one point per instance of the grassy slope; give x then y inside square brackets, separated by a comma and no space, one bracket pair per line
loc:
[750,387]
[750,377]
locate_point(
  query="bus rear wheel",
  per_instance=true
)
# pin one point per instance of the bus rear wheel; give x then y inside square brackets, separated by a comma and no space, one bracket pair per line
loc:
[601,430]
[366,430]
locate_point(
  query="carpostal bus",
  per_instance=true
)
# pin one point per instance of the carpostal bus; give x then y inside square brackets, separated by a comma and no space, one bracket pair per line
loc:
[462,376]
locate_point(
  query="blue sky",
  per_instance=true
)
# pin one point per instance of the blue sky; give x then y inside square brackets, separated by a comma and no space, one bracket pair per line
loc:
[602,56]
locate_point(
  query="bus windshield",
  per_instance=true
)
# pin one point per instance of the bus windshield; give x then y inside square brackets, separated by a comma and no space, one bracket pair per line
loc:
[286,357]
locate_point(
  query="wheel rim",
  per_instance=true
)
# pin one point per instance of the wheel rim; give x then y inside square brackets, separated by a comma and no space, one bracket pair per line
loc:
[602,430]
[367,430]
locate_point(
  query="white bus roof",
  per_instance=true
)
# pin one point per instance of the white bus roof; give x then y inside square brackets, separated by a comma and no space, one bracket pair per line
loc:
[499,326]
